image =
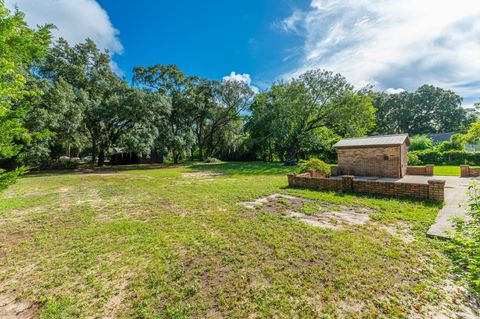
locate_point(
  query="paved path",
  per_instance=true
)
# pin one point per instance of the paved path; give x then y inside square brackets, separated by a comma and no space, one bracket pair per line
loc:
[455,205]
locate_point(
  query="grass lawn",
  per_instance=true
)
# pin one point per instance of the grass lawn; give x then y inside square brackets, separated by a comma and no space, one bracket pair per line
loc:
[447,170]
[174,243]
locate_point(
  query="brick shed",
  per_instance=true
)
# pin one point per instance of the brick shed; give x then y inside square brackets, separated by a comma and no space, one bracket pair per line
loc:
[383,155]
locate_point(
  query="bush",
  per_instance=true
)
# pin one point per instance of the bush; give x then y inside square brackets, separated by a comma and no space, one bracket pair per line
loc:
[212,160]
[420,143]
[316,165]
[465,247]
[413,160]
[447,158]
[63,162]
[8,178]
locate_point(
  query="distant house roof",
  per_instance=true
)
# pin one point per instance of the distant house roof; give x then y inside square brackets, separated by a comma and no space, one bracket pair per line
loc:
[441,137]
[371,141]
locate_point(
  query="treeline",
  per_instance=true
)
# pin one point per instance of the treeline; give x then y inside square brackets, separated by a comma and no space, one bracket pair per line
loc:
[61,100]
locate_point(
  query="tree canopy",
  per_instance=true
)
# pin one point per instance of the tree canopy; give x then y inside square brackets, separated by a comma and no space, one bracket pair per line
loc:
[309,111]
[429,109]
[21,47]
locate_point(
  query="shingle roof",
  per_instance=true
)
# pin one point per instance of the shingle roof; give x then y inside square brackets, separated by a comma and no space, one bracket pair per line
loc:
[441,137]
[380,140]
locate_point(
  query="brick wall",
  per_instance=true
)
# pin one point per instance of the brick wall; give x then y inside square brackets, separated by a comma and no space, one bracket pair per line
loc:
[370,161]
[433,190]
[467,171]
[426,170]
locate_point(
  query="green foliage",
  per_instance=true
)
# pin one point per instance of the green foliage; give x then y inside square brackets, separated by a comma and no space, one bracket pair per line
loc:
[8,178]
[473,134]
[448,158]
[413,159]
[308,113]
[420,143]
[20,48]
[429,109]
[465,247]
[456,143]
[316,165]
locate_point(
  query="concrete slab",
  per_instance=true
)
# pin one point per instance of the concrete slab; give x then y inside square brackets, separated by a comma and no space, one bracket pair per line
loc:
[456,198]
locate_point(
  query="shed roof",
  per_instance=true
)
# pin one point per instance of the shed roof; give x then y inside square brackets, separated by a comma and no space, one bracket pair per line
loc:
[371,141]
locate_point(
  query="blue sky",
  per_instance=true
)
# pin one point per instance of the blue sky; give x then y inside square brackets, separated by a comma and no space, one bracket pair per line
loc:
[393,45]
[207,38]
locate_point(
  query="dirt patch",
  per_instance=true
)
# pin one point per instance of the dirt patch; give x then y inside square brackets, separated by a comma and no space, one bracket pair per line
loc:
[11,308]
[311,212]
[401,231]
[115,303]
[457,304]
[202,175]
[332,220]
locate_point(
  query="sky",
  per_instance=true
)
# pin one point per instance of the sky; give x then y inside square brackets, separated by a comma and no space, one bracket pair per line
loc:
[390,44]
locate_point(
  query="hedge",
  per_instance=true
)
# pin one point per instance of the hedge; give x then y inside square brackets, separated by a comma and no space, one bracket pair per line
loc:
[447,158]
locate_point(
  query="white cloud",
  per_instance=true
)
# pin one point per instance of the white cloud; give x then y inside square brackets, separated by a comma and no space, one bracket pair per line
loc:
[76,20]
[391,43]
[291,23]
[245,77]
[394,91]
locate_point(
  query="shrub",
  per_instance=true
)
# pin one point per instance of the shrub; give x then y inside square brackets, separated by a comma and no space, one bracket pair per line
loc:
[420,143]
[465,247]
[63,162]
[8,178]
[212,160]
[413,160]
[448,158]
[316,165]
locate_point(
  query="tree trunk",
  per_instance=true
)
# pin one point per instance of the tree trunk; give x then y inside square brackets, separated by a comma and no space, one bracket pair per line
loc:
[291,157]
[94,151]
[101,158]
[200,152]
[175,156]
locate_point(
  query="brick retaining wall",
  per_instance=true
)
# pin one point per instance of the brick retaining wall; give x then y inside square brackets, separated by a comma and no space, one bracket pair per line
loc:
[433,190]
[426,170]
[467,171]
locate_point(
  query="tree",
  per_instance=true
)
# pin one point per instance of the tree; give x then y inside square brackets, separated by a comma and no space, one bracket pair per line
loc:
[20,47]
[233,97]
[420,143]
[316,104]
[429,109]
[109,108]
[176,128]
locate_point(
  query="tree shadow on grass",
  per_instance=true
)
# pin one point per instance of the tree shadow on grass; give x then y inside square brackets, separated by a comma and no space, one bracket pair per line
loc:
[102,170]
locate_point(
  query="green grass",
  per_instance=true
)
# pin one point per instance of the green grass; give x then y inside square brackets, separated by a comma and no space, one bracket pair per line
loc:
[174,243]
[448,170]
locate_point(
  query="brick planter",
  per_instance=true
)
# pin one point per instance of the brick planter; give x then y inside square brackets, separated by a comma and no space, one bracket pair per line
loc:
[467,171]
[433,190]
[426,170]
